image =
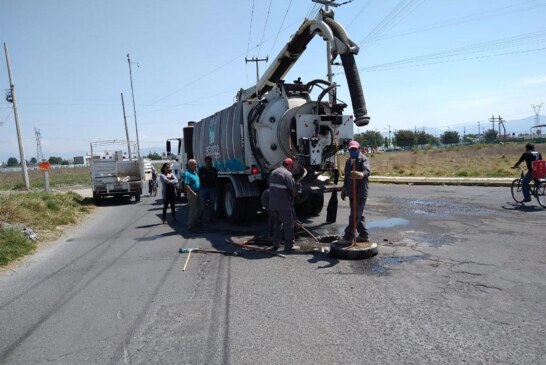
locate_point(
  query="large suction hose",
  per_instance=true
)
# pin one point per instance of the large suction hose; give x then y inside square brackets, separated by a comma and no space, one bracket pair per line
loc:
[352,75]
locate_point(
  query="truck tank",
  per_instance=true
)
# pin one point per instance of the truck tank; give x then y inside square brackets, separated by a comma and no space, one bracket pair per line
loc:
[221,137]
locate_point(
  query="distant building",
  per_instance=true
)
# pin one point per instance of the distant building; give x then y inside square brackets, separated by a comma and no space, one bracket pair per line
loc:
[80,160]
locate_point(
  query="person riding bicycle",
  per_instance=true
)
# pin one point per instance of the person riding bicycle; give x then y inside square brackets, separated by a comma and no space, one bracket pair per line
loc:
[528,156]
[153,181]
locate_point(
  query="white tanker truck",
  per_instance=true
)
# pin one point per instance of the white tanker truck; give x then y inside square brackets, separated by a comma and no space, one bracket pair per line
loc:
[275,119]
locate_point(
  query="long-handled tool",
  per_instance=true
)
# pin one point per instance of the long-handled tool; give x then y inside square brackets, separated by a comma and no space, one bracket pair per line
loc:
[206,250]
[354,203]
[245,245]
[331,210]
[187,259]
[299,225]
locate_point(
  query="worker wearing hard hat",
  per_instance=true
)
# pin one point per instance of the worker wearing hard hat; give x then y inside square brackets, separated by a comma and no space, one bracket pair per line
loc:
[282,190]
[355,186]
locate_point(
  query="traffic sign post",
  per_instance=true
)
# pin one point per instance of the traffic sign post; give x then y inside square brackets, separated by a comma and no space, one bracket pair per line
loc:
[45,166]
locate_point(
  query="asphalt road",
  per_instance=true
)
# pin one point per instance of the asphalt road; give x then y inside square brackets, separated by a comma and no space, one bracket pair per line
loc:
[459,279]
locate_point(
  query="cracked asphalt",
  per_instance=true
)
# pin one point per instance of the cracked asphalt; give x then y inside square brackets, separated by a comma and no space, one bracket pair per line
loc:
[459,279]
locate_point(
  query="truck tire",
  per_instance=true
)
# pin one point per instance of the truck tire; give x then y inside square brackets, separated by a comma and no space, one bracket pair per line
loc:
[252,205]
[317,202]
[97,199]
[233,207]
[137,198]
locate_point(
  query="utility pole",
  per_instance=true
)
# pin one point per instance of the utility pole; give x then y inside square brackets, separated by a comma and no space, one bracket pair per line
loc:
[126,129]
[479,137]
[329,73]
[256,60]
[11,98]
[499,120]
[134,108]
[389,136]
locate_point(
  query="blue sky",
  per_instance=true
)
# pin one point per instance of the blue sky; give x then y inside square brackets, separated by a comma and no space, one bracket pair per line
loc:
[425,64]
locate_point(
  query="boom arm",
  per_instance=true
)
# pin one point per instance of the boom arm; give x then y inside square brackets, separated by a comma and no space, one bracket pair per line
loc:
[333,33]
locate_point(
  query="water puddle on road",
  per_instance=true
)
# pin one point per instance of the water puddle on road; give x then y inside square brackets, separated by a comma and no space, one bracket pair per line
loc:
[382,265]
[387,223]
[382,223]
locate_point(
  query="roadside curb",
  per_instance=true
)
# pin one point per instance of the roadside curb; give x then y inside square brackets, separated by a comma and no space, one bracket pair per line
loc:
[416,180]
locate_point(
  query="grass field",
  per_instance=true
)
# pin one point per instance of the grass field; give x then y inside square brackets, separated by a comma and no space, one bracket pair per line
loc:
[459,161]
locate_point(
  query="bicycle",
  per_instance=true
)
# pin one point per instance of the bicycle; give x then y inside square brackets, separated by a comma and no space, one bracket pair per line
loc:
[537,188]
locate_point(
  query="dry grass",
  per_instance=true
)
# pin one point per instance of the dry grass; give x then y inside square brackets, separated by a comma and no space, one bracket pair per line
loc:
[459,161]
[57,178]
[44,213]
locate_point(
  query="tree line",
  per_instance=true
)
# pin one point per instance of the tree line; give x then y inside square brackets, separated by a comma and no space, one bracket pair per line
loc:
[409,139]
[12,161]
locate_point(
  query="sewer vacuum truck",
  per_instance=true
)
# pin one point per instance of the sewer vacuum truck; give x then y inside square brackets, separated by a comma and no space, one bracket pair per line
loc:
[275,119]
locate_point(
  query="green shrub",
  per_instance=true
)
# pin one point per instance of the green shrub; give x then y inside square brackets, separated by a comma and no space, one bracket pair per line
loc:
[13,244]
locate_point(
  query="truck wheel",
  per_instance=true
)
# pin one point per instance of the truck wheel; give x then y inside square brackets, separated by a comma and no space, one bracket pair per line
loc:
[317,202]
[97,199]
[137,197]
[234,208]
[252,205]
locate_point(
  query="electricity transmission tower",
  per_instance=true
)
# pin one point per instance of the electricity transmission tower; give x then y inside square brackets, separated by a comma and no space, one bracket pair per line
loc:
[536,109]
[39,153]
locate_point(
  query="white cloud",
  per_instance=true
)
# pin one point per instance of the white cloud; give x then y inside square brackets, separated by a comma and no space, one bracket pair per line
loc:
[533,80]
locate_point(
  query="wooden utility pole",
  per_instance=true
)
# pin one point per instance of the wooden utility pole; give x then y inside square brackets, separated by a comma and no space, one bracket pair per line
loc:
[254,59]
[11,98]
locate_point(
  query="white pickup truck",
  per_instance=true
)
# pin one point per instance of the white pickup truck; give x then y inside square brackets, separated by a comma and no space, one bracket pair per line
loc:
[113,175]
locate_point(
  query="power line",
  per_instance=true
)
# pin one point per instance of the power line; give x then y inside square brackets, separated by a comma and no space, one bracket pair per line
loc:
[314,11]
[265,27]
[282,23]
[460,51]
[6,118]
[466,19]
[368,3]
[236,58]
[457,60]
[402,9]
[250,31]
